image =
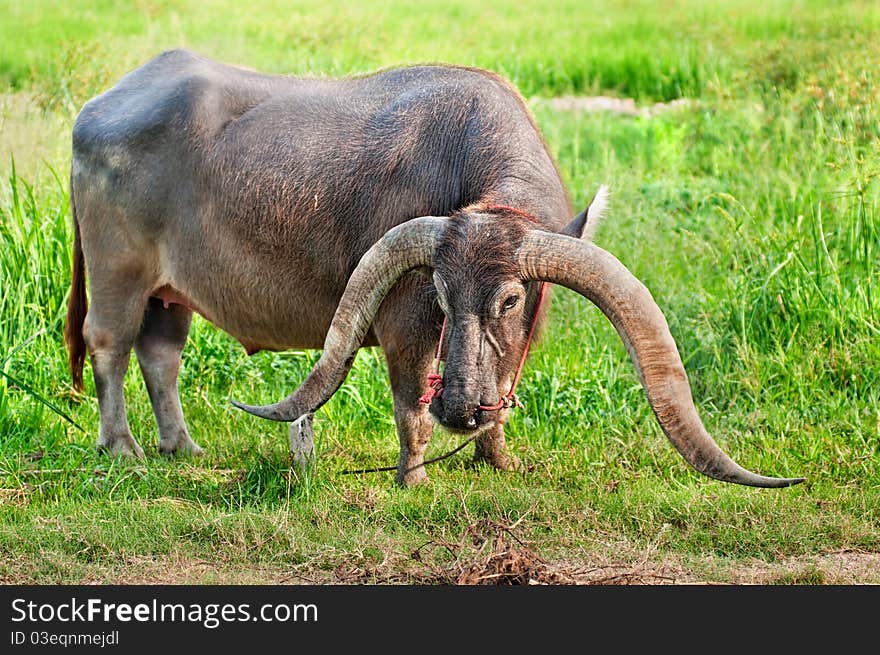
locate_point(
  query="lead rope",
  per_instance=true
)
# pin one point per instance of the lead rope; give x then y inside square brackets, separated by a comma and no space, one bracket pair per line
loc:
[417,466]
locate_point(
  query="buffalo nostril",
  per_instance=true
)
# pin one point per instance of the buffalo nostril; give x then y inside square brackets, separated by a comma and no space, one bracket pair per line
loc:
[472,422]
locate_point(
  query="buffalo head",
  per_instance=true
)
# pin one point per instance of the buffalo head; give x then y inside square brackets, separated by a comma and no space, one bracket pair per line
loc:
[487,264]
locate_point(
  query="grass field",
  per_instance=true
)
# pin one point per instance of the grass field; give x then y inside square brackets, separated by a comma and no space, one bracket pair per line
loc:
[750,211]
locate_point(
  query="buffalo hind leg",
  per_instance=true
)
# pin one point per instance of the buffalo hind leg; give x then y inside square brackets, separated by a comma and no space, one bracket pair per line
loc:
[109,330]
[158,347]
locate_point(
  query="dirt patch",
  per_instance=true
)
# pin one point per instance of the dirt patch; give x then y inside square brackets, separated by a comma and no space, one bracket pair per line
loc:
[831,568]
[622,106]
[487,552]
[504,562]
[490,553]
[32,136]
[498,557]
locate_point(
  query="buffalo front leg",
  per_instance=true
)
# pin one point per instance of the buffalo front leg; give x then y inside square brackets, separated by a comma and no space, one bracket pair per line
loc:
[414,424]
[409,352]
[158,347]
[414,429]
[491,448]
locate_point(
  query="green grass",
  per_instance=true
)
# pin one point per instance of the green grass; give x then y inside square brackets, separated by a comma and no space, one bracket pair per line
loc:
[751,213]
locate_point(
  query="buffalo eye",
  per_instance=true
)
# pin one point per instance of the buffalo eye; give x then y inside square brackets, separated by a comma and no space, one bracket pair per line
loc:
[510,303]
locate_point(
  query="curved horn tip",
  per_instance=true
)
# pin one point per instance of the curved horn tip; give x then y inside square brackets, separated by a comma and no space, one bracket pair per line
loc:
[263,411]
[762,481]
[787,482]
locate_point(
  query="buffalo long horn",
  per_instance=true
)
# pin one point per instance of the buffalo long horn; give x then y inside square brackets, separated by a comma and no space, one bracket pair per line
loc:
[598,276]
[403,248]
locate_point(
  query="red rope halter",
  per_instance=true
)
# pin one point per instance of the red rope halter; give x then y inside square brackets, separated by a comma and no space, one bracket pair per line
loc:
[435,380]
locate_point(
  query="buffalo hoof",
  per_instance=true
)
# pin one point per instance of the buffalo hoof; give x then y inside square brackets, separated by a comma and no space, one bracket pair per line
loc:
[412,477]
[491,449]
[123,446]
[501,462]
[183,446]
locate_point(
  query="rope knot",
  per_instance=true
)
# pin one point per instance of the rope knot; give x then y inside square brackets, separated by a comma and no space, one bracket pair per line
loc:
[435,388]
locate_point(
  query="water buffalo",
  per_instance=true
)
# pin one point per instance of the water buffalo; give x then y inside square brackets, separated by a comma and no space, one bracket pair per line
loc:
[310,213]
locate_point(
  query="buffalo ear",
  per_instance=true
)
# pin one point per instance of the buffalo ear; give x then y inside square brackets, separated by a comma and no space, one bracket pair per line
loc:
[576,227]
[584,225]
